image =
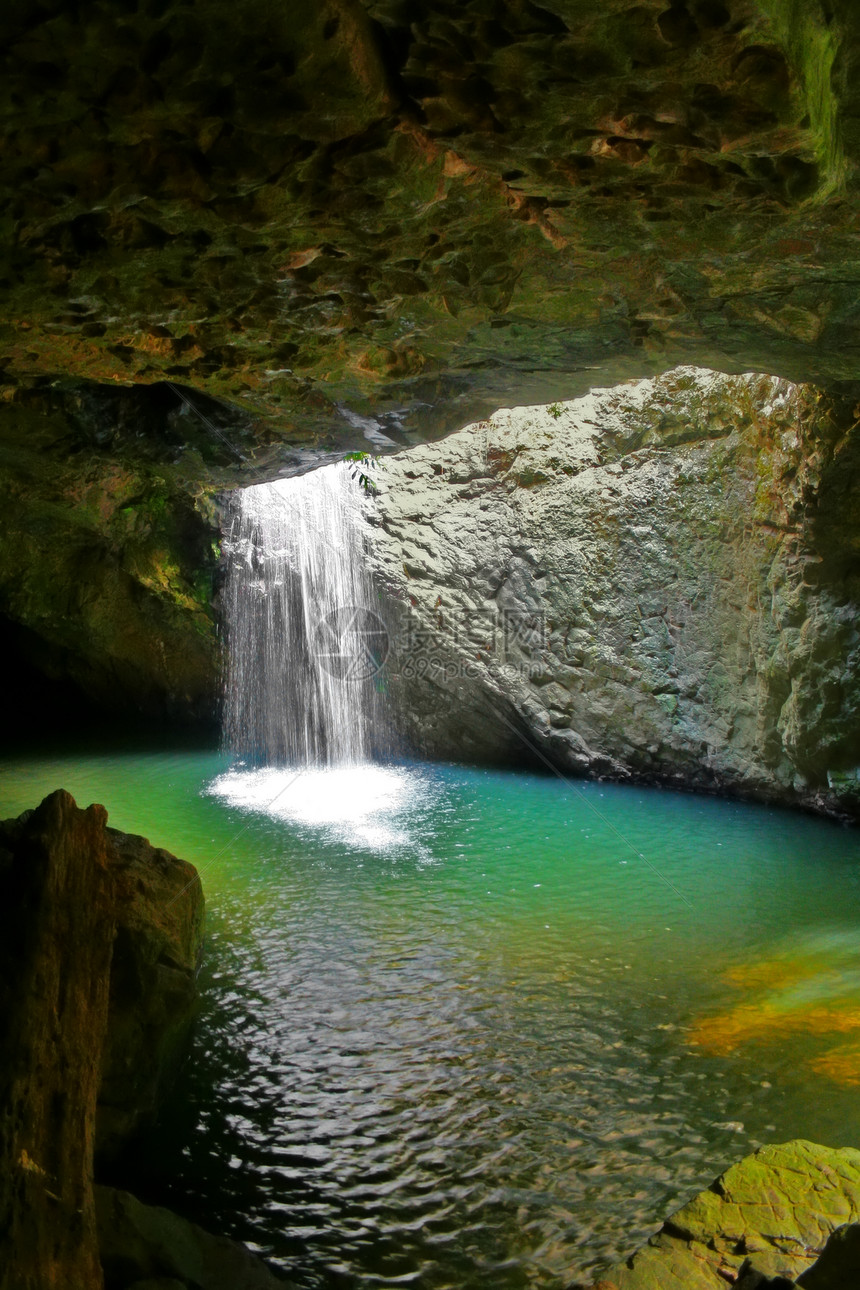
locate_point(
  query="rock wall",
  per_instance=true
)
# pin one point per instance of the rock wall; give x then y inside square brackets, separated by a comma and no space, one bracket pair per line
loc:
[158,908]
[657,582]
[360,224]
[108,550]
[56,939]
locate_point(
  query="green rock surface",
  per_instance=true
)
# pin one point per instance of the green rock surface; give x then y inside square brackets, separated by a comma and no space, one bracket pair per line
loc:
[838,1265]
[776,1209]
[108,547]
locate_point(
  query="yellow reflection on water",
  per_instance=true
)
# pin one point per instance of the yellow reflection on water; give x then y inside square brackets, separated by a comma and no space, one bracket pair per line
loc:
[842,1065]
[813,993]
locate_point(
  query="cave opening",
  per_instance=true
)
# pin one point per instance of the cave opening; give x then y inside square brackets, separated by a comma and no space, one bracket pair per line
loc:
[457,1013]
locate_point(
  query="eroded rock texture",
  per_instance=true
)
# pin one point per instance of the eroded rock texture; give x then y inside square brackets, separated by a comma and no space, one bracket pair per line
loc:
[654,581]
[772,1213]
[153,992]
[419,210]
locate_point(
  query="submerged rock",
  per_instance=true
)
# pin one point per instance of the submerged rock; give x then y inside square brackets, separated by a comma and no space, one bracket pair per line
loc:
[769,1216]
[144,1247]
[655,581]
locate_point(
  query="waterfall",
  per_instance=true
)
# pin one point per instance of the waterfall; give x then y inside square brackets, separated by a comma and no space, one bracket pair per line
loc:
[304,642]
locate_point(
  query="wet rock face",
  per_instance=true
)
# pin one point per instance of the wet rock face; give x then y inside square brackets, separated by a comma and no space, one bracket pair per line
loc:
[421,211]
[655,581]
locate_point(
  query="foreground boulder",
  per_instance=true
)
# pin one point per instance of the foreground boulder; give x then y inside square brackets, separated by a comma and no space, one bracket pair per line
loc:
[153,992]
[152,917]
[763,1222]
[146,1245]
[100,935]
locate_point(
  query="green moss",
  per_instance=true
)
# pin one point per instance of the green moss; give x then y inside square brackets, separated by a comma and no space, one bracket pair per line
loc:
[812,46]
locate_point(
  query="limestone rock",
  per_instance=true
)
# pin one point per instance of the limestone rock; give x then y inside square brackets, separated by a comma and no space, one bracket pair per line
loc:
[144,1243]
[775,1210]
[654,582]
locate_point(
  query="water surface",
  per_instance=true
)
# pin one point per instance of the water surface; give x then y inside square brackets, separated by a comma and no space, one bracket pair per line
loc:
[467,1028]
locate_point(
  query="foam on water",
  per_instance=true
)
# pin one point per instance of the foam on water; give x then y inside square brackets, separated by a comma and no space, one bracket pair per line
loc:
[368,806]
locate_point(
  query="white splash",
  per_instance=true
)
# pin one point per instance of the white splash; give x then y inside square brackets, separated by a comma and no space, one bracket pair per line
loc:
[365,806]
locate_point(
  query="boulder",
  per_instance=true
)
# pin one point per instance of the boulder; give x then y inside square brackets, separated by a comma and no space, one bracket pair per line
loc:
[653,582]
[153,992]
[145,1247]
[769,1216]
[100,935]
[152,919]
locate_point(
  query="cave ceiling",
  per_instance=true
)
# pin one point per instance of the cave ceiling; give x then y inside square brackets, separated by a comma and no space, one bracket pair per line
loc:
[341,215]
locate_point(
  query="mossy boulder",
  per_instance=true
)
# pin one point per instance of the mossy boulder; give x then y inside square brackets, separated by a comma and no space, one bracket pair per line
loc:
[774,1212]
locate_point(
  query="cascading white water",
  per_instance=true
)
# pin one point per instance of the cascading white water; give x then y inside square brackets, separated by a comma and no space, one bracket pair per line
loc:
[304,642]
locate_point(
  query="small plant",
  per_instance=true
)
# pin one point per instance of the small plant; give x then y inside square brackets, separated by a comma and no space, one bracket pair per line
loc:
[357,461]
[555,410]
